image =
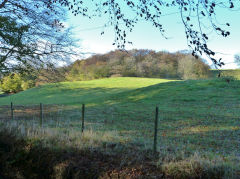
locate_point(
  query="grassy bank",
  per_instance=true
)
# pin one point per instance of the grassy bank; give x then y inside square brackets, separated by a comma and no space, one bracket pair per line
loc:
[199,127]
[72,93]
[234,73]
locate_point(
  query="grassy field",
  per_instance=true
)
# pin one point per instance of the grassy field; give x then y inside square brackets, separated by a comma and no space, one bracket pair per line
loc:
[199,126]
[73,93]
[234,73]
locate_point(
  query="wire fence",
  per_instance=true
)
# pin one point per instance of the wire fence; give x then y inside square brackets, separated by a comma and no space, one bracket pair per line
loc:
[145,123]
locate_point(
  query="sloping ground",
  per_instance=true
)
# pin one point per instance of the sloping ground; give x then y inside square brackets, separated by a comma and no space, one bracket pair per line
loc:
[199,127]
[234,73]
[94,91]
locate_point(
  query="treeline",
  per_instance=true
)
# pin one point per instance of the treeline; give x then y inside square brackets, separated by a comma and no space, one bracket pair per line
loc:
[134,63]
[20,81]
[139,63]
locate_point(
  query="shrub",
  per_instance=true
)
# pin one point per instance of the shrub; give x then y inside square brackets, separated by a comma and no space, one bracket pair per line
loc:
[198,167]
[14,83]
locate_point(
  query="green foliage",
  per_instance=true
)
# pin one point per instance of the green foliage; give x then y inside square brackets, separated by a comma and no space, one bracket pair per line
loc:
[49,74]
[139,63]
[11,83]
[80,71]
[15,82]
[32,34]
[11,32]
[11,37]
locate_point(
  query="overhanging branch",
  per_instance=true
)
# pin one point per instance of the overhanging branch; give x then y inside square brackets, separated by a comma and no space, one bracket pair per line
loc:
[3,3]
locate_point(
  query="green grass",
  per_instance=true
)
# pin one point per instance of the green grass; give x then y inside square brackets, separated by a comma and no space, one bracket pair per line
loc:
[199,119]
[71,93]
[235,73]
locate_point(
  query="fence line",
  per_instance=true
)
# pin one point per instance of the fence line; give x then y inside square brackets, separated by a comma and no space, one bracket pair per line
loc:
[155,131]
[41,114]
[141,122]
[83,115]
[12,110]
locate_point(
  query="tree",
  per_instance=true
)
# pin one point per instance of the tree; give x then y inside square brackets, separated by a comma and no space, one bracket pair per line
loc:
[237,59]
[190,68]
[32,33]
[138,63]
[12,45]
[16,82]
[197,16]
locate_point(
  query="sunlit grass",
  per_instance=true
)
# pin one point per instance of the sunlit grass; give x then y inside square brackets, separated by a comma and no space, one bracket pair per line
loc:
[204,129]
[73,93]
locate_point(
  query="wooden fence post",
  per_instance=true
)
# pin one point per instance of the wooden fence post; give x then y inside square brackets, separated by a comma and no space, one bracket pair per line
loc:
[83,113]
[12,110]
[155,131]
[41,114]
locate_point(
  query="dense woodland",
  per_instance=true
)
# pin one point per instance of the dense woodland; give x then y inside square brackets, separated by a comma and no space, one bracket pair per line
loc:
[139,63]
[134,63]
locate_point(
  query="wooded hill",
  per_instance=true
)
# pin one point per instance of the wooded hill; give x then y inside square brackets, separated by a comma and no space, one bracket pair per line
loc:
[134,63]
[139,63]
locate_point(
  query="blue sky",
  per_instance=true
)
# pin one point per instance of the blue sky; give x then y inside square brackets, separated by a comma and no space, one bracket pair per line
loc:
[145,36]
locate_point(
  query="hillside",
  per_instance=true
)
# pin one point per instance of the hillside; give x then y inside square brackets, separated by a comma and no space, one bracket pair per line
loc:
[76,93]
[128,89]
[198,135]
[139,63]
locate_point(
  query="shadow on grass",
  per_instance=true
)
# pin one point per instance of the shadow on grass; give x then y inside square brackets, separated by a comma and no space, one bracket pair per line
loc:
[4,95]
[29,159]
[22,159]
